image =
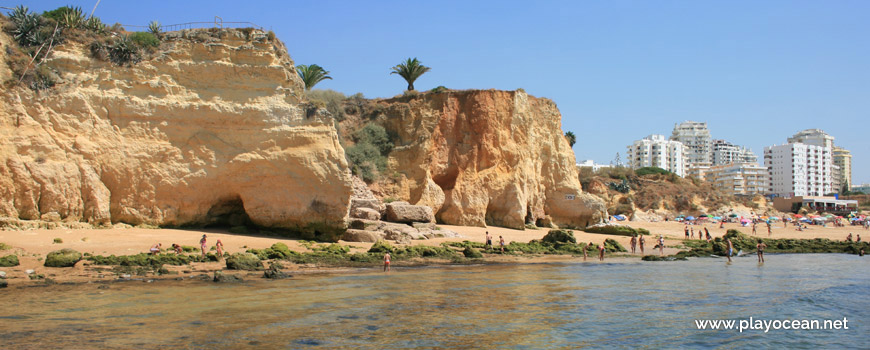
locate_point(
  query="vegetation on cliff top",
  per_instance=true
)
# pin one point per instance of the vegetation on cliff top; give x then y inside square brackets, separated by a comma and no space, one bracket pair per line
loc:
[410,70]
[312,74]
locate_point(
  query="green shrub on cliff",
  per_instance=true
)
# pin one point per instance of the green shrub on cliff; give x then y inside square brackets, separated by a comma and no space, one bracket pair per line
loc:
[368,155]
[145,40]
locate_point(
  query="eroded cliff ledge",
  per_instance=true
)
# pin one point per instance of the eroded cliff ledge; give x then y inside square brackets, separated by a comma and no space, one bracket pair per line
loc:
[213,129]
[484,157]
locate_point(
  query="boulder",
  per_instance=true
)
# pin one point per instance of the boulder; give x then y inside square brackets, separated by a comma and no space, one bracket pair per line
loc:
[352,235]
[397,232]
[221,277]
[559,236]
[372,204]
[63,258]
[472,253]
[275,274]
[3,283]
[244,261]
[9,261]
[405,213]
[365,213]
[368,225]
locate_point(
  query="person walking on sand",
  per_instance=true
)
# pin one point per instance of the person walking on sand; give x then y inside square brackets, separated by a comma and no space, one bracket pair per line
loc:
[386,262]
[662,245]
[220,248]
[156,248]
[202,245]
[760,247]
[640,242]
[687,231]
[730,249]
[633,243]
[501,243]
[692,231]
[769,230]
[601,252]
[753,227]
[488,244]
[722,223]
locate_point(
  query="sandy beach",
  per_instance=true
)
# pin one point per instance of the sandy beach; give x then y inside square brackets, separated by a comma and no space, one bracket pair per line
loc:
[32,245]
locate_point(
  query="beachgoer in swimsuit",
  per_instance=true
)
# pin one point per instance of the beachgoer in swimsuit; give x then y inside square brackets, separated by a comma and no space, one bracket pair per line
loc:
[633,243]
[687,232]
[662,245]
[859,238]
[849,237]
[769,231]
[488,241]
[202,244]
[760,247]
[386,262]
[692,230]
[156,248]
[501,243]
[722,223]
[601,252]
[220,248]
[176,248]
[641,241]
[753,227]
[730,248]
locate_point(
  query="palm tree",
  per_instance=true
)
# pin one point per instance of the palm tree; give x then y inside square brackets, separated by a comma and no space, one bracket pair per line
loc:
[411,69]
[571,138]
[311,75]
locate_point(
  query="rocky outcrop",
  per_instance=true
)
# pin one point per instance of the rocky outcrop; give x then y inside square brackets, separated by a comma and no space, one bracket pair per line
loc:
[484,158]
[213,129]
[403,212]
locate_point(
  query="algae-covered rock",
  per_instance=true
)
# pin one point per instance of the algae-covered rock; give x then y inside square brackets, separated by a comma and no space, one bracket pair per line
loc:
[612,246]
[221,277]
[9,261]
[616,229]
[62,258]
[472,253]
[275,273]
[244,261]
[559,236]
[3,283]
[381,247]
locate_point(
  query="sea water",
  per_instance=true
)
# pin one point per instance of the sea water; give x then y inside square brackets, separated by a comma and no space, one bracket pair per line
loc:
[620,303]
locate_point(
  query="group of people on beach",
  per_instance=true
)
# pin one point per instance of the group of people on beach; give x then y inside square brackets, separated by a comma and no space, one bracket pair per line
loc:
[488,244]
[203,245]
[759,248]
[690,233]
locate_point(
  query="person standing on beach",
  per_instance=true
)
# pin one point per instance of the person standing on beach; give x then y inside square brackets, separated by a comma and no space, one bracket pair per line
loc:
[730,249]
[662,245]
[585,250]
[687,231]
[633,243]
[641,241]
[488,241]
[220,249]
[753,227]
[601,252]
[692,230]
[722,223]
[760,247]
[501,243]
[156,248]
[202,244]
[769,230]
[386,261]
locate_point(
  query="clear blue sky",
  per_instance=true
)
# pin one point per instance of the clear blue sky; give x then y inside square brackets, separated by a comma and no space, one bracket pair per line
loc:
[756,71]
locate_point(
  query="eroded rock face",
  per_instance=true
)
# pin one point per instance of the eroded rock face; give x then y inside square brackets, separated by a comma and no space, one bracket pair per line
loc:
[403,212]
[485,158]
[211,130]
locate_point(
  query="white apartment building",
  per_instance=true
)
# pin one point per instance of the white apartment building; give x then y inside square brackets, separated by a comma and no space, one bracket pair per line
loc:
[799,169]
[592,165]
[724,153]
[739,178]
[657,151]
[696,138]
[815,137]
[843,159]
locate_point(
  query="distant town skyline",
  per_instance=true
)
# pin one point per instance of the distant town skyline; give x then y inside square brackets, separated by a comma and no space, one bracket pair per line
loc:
[756,72]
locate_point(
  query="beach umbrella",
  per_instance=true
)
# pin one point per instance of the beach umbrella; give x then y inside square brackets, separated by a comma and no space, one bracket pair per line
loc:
[717,218]
[732,215]
[690,218]
[798,216]
[681,216]
[703,216]
[745,220]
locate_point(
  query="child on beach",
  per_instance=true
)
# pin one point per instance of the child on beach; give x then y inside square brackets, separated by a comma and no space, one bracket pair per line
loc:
[202,244]
[501,243]
[386,262]
[156,248]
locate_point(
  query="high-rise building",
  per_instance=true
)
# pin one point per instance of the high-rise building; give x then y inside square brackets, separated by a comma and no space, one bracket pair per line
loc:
[657,151]
[799,169]
[815,137]
[724,153]
[843,159]
[696,138]
[739,178]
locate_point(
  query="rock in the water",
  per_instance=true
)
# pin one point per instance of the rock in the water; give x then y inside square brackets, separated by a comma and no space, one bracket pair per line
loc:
[63,258]
[9,261]
[244,261]
[352,235]
[221,277]
[2,274]
[275,274]
[406,213]
[365,213]
[472,253]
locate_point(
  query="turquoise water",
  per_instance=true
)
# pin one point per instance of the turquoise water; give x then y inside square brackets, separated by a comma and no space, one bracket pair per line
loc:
[620,303]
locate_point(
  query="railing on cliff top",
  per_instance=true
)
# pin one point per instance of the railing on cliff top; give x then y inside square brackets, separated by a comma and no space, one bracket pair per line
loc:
[218,23]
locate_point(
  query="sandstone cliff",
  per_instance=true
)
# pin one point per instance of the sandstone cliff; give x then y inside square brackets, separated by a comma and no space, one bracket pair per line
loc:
[484,158]
[212,129]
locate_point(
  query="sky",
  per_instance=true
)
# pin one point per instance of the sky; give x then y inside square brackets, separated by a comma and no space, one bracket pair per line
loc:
[756,71]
